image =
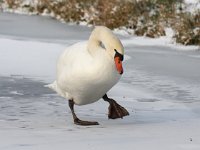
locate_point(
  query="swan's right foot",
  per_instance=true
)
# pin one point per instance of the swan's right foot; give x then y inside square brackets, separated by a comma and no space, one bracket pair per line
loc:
[77,121]
[84,123]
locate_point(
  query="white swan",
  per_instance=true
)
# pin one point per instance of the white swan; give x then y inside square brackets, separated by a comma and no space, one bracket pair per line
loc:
[86,71]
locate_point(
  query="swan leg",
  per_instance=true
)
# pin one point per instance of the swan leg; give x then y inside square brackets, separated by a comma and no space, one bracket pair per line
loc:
[77,121]
[115,110]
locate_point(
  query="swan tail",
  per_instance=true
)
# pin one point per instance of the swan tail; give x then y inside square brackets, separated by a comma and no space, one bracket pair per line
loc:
[52,86]
[55,88]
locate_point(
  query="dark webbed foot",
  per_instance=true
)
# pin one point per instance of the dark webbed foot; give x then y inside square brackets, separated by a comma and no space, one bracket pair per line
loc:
[77,121]
[115,110]
[84,123]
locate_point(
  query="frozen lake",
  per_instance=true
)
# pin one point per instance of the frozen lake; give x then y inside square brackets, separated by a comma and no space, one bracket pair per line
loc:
[160,88]
[34,27]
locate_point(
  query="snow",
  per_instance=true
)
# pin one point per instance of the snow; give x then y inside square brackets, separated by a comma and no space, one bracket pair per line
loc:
[28,58]
[160,88]
[191,1]
[192,6]
[166,41]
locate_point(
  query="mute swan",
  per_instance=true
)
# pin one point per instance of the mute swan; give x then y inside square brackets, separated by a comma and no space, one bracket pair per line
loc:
[86,71]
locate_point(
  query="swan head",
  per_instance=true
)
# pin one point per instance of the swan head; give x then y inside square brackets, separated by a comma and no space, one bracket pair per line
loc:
[114,47]
[103,37]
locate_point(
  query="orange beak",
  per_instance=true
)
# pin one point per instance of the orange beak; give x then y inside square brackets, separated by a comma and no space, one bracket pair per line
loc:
[118,64]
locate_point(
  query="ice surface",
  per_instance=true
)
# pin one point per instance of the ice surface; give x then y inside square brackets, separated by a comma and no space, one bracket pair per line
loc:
[160,88]
[39,28]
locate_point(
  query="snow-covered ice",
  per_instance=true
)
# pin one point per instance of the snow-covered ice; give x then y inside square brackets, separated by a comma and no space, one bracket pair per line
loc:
[160,88]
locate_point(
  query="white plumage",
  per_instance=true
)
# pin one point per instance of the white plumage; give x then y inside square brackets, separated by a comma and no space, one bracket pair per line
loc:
[86,70]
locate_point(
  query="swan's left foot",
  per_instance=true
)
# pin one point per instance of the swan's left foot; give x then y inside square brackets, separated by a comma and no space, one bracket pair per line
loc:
[115,110]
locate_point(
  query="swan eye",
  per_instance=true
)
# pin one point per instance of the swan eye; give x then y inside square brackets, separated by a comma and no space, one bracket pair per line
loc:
[102,45]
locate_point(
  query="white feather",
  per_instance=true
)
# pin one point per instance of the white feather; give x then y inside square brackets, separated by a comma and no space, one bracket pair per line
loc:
[86,71]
